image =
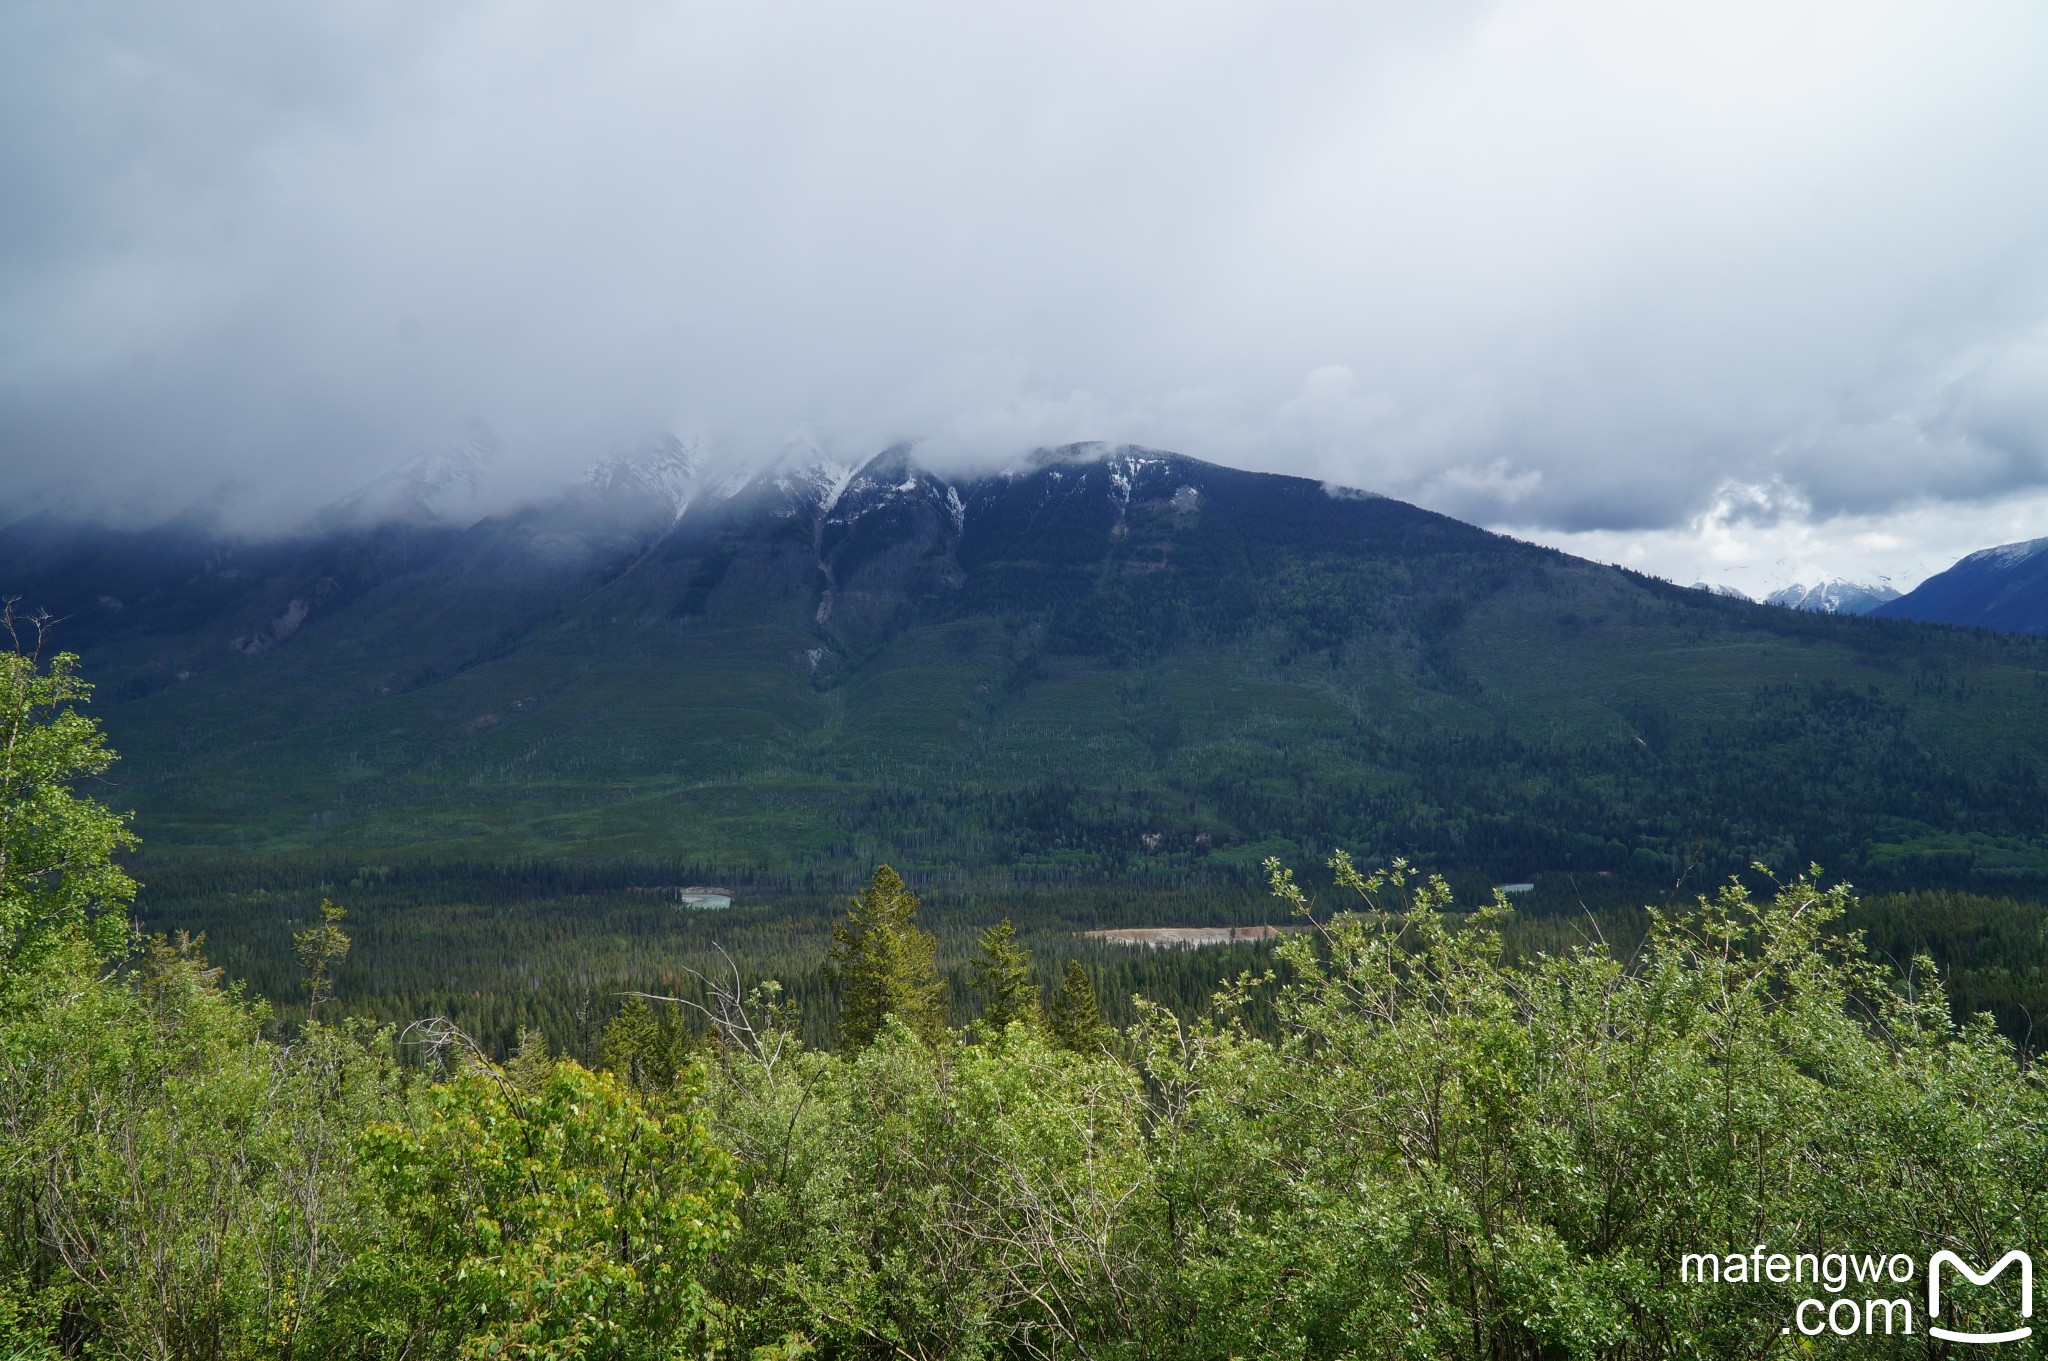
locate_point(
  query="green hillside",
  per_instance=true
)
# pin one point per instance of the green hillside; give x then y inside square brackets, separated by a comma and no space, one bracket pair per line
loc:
[1066,685]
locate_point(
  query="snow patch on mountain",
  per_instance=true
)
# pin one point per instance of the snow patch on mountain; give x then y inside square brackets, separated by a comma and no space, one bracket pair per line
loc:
[663,475]
[1716,588]
[809,484]
[437,486]
[826,480]
[1124,472]
[732,484]
[891,477]
[2008,554]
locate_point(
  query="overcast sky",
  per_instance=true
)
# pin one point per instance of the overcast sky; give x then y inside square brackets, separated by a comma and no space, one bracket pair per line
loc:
[1738,291]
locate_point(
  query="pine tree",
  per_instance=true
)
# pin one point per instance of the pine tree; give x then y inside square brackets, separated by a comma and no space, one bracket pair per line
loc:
[649,1049]
[320,948]
[1077,1022]
[1002,975]
[884,965]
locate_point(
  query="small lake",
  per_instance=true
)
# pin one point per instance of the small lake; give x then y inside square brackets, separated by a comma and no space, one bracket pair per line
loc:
[696,897]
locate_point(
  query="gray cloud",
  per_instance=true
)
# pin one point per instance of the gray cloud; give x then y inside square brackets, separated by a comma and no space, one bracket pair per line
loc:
[1578,267]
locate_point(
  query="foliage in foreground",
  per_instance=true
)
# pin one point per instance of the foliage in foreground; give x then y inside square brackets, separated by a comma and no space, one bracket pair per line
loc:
[177,1182]
[58,880]
[1440,1157]
[171,1182]
[540,1211]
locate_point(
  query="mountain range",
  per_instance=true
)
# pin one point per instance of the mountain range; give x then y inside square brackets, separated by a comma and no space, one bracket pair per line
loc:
[1834,596]
[1109,665]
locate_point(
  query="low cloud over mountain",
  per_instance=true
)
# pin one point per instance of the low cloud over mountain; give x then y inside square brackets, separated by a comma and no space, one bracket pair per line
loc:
[1637,282]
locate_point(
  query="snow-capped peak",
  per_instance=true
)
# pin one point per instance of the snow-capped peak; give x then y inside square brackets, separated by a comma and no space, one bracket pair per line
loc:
[819,483]
[664,474]
[1834,596]
[435,486]
[1717,588]
[809,478]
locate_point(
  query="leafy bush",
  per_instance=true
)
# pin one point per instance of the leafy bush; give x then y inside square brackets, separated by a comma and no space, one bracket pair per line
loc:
[1440,1156]
[172,1183]
[538,1210]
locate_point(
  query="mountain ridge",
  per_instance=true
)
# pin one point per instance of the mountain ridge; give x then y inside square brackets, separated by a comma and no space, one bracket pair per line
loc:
[1834,595]
[1099,662]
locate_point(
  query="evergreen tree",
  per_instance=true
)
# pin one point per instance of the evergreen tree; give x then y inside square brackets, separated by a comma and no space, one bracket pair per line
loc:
[649,1049]
[1002,975]
[883,964]
[320,948]
[1077,1022]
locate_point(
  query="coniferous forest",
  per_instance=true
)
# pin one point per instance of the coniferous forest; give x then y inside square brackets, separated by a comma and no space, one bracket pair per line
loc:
[1419,1124]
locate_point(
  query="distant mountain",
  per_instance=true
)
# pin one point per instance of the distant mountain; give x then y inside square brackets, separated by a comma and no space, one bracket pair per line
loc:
[654,485]
[1834,596]
[2003,588]
[436,487]
[1100,665]
[1716,588]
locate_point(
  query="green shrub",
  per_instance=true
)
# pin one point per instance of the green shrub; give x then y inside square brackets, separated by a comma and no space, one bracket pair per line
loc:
[537,1210]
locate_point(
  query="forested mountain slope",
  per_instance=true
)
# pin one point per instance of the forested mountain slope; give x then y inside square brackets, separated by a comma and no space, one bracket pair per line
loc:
[1101,665]
[2003,588]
